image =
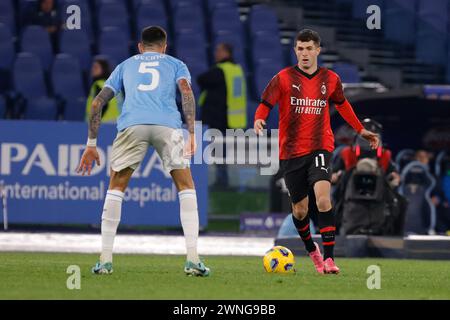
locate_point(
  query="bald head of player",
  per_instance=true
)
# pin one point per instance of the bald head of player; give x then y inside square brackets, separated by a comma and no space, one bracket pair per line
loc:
[307,49]
[153,39]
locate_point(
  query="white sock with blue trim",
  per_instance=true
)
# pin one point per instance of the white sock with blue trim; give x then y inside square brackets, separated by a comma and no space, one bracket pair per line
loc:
[189,222]
[110,221]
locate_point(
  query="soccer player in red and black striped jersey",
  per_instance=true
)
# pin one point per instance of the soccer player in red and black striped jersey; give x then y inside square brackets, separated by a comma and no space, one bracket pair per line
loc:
[303,93]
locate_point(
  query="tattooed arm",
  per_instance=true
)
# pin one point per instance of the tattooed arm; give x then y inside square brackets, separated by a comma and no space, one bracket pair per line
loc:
[104,96]
[188,103]
[90,154]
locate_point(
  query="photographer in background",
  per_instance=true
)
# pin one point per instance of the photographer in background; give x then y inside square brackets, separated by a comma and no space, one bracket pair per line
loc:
[366,198]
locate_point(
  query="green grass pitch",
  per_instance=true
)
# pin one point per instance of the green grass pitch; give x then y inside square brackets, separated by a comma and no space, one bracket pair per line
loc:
[43,276]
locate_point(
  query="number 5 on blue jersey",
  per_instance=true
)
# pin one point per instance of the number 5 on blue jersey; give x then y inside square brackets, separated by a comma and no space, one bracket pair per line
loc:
[149,83]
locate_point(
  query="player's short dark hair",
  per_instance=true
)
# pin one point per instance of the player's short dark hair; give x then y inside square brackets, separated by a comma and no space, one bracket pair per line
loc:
[306,35]
[153,35]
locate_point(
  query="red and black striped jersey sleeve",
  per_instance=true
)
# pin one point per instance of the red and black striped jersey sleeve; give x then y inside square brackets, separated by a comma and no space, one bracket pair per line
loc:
[338,97]
[344,107]
[271,93]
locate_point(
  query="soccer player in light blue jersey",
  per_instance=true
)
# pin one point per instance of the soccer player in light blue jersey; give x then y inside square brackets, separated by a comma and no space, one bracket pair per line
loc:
[149,117]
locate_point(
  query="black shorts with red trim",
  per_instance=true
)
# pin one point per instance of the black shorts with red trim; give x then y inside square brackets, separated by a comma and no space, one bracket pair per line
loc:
[301,173]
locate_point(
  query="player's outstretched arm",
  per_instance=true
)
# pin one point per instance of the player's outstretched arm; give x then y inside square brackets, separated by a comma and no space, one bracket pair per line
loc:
[347,113]
[188,104]
[373,138]
[90,154]
[269,99]
[258,126]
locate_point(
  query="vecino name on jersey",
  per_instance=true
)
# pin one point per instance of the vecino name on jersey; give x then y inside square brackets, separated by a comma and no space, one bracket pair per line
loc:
[147,57]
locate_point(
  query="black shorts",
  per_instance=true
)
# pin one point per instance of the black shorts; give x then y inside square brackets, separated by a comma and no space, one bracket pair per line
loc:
[300,174]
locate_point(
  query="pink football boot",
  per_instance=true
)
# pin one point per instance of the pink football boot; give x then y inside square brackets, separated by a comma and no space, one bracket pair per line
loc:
[330,266]
[317,259]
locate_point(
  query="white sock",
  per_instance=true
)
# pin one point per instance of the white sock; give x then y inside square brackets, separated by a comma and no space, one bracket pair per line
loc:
[110,221]
[189,222]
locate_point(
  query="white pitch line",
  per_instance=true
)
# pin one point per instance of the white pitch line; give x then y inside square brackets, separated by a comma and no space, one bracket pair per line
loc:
[132,244]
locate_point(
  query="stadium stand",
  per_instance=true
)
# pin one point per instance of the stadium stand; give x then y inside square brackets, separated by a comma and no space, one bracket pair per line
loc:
[399,21]
[28,76]
[113,14]
[6,57]
[150,13]
[37,41]
[2,106]
[66,77]
[348,72]
[75,109]
[43,108]
[113,43]
[7,15]
[76,43]
[417,184]
[260,34]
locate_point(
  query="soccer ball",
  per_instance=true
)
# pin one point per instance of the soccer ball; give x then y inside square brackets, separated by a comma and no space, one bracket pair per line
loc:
[279,259]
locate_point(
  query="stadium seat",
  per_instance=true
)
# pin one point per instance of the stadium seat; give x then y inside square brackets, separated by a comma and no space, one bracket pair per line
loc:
[79,2]
[265,49]
[114,44]
[66,77]
[7,14]
[196,68]
[434,13]
[348,72]
[427,37]
[76,43]
[75,109]
[213,5]
[157,5]
[226,20]
[2,107]
[25,6]
[43,108]
[416,185]
[147,15]
[400,21]
[432,32]
[182,25]
[28,76]
[263,74]
[6,56]
[174,4]
[190,40]
[252,104]
[113,14]
[37,41]
[192,55]
[191,46]
[292,56]
[262,19]
[404,157]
